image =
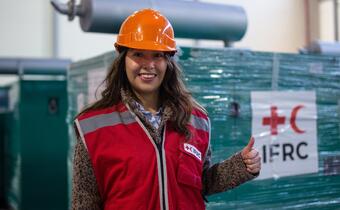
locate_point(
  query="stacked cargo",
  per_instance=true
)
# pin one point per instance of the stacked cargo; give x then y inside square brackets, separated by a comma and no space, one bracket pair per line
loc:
[299,97]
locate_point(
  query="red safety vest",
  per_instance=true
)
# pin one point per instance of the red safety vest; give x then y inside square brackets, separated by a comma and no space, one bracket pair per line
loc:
[133,172]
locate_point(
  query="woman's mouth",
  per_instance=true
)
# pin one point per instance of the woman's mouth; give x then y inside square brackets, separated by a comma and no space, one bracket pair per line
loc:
[147,76]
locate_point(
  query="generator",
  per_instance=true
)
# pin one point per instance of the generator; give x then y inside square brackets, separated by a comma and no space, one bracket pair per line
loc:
[33,137]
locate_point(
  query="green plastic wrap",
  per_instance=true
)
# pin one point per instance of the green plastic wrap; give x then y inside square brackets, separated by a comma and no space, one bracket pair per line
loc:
[222,81]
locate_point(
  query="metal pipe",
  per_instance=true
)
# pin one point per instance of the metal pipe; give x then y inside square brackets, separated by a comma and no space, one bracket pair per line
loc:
[69,9]
[196,20]
[336,20]
[61,8]
[19,66]
[307,22]
[55,33]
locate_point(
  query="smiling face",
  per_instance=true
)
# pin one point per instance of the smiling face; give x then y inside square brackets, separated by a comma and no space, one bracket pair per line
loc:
[145,70]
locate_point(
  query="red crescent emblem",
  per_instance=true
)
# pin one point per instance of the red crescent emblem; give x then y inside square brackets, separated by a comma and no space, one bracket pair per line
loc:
[293,119]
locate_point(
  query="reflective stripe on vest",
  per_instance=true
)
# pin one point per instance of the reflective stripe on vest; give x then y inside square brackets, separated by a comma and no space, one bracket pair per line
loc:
[93,123]
[199,123]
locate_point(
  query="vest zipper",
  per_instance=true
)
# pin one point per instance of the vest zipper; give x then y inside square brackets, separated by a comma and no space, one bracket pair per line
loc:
[160,152]
[159,148]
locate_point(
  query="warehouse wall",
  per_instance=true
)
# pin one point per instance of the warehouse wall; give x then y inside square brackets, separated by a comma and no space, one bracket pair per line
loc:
[327,20]
[29,29]
[84,45]
[26,28]
[272,25]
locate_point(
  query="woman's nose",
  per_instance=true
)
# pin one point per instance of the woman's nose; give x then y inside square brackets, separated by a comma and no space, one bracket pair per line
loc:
[148,63]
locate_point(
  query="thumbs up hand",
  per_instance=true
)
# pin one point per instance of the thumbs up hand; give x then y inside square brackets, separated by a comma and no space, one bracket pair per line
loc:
[251,157]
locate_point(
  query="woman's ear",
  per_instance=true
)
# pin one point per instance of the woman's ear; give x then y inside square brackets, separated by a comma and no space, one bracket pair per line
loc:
[120,49]
[117,48]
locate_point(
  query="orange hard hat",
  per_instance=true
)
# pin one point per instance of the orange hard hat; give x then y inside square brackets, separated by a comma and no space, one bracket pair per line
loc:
[147,29]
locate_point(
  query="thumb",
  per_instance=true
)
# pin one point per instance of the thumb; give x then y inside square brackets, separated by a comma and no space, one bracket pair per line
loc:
[250,145]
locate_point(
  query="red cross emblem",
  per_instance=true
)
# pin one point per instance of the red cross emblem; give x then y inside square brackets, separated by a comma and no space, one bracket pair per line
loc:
[274,120]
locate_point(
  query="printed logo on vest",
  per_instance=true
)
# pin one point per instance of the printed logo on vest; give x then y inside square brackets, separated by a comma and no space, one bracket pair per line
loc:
[193,150]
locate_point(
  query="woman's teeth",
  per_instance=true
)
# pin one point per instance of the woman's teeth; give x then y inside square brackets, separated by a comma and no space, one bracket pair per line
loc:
[147,75]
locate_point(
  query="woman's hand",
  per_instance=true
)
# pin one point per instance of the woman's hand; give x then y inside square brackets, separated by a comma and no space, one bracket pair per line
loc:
[251,157]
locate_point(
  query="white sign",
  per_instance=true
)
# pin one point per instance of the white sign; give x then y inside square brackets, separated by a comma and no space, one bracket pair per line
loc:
[95,84]
[285,131]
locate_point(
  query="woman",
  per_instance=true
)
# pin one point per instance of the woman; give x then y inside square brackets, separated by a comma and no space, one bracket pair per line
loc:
[145,144]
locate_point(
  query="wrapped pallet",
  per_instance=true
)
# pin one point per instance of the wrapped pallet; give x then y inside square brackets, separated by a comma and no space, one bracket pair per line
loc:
[290,103]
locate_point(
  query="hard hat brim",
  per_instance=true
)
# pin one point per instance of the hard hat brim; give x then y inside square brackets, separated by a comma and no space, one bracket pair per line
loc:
[148,45]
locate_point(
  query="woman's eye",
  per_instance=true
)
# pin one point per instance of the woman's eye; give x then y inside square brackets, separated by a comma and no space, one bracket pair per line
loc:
[159,55]
[137,54]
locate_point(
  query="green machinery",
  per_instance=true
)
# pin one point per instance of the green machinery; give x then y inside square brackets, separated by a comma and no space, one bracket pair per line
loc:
[33,138]
[3,109]
[222,80]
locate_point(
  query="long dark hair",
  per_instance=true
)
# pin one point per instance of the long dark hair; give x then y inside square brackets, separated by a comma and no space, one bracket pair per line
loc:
[173,92]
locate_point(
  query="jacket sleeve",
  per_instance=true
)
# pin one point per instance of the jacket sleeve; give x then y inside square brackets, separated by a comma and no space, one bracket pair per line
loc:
[85,194]
[224,175]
